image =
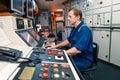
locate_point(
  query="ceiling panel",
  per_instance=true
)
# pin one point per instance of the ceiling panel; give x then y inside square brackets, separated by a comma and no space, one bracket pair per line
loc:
[51,5]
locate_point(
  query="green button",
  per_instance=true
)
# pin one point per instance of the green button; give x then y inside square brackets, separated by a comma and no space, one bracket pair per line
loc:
[49,58]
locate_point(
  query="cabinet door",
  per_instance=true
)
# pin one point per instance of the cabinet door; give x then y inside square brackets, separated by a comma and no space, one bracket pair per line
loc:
[102,38]
[115,48]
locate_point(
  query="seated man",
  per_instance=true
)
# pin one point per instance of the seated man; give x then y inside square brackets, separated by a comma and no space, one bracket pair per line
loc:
[80,40]
[48,34]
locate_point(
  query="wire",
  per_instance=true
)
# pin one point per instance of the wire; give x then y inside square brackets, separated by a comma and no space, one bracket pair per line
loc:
[26,60]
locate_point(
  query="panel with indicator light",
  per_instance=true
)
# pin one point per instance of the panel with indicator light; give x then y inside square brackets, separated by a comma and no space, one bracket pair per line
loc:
[51,55]
[53,71]
[47,64]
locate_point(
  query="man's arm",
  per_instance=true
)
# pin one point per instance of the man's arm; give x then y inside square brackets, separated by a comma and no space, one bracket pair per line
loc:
[64,43]
[73,51]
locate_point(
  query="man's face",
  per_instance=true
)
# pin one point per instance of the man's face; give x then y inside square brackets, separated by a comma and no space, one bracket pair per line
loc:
[72,18]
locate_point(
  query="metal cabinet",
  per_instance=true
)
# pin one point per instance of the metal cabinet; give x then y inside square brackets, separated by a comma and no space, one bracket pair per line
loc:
[102,37]
[115,48]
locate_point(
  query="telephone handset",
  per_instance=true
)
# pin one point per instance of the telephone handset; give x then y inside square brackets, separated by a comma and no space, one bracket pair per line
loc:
[7,54]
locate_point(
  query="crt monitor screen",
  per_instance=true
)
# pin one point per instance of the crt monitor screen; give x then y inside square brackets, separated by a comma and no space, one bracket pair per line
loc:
[34,34]
[17,6]
[29,6]
[20,23]
[12,5]
[30,23]
[28,38]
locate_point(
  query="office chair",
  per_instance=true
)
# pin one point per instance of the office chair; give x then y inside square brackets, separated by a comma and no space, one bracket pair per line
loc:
[94,64]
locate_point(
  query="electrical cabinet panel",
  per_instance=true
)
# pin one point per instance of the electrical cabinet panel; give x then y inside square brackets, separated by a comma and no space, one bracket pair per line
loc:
[116,19]
[115,48]
[89,20]
[102,37]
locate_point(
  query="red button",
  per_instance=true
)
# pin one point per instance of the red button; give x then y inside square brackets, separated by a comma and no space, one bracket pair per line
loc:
[50,52]
[55,52]
[46,64]
[45,69]
[44,75]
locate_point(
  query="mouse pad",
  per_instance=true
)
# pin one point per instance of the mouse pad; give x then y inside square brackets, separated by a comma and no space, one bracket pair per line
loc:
[27,73]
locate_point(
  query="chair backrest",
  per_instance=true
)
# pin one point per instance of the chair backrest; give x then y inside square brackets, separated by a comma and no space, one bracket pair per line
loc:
[95,52]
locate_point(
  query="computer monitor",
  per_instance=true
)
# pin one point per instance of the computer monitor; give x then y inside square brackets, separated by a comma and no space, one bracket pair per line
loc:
[20,23]
[28,39]
[16,6]
[29,8]
[30,23]
[34,34]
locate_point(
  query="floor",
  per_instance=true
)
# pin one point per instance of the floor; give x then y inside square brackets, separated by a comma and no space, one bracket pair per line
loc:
[104,72]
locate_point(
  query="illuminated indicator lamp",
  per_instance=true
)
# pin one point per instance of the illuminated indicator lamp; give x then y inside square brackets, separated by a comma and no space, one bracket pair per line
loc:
[49,58]
[44,75]
[55,69]
[49,52]
[55,52]
[45,69]
[46,64]
[55,65]
[56,75]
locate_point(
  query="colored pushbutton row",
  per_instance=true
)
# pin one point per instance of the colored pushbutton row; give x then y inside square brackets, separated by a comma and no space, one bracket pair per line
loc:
[45,69]
[55,52]
[55,65]
[46,64]
[44,75]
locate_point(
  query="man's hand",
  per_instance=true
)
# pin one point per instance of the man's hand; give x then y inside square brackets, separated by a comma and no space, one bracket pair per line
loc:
[51,47]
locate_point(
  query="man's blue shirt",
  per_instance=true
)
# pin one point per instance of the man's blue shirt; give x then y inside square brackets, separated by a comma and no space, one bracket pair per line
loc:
[81,38]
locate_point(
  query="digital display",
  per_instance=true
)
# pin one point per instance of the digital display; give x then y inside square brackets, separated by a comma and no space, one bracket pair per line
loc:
[29,8]
[29,23]
[28,38]
[34,34]
[18,6]
[12,5]
[20,23]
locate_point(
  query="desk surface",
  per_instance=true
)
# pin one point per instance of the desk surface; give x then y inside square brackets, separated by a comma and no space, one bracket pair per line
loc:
[7,68]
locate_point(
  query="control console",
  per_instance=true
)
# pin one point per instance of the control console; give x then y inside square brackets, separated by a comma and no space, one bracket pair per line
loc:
[47,64]
[52,55]
[53,71]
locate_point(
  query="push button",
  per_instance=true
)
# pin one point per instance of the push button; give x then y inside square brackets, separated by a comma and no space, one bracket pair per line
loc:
[55,52]
[45,69]
[55,65]
[46,64]
[44,75]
